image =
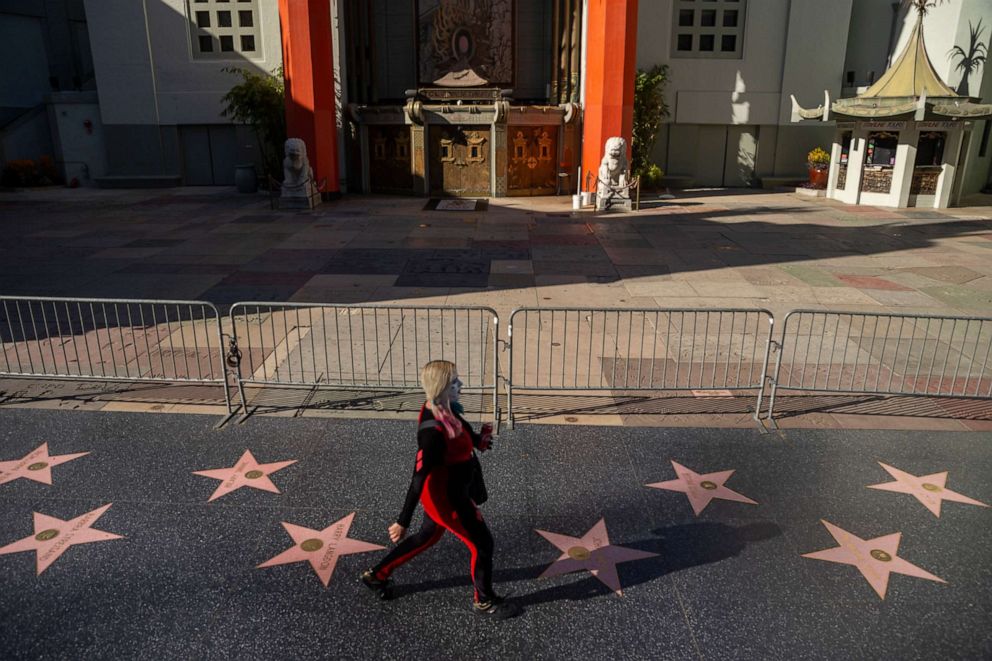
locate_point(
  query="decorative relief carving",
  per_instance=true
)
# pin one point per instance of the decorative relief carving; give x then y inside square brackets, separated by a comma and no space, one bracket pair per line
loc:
[465,43]
[476,147]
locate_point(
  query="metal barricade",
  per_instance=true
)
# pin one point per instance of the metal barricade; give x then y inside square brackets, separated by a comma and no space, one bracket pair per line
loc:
[112,340]
[890,354]
[362,347]
[665,349]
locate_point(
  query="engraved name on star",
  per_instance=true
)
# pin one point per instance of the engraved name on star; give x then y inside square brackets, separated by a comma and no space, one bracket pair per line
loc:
[35,465]
[875,558]
[593,553]
[321,548]
[247,472]
[52,537]
[701,488]
[928,489]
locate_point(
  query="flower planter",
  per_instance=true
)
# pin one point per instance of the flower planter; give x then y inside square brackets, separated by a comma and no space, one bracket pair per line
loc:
[818,174]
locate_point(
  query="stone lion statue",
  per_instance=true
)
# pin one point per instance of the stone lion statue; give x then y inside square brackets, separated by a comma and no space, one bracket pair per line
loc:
[297,173]
[613,181]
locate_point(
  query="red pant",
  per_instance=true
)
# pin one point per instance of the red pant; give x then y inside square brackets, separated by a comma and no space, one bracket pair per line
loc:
[448,509]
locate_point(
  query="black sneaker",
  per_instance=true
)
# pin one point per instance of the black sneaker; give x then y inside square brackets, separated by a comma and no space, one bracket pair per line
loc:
[497,609]
[383,588]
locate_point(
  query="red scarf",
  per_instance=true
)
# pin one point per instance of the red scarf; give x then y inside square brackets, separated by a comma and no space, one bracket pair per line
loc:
[452,425]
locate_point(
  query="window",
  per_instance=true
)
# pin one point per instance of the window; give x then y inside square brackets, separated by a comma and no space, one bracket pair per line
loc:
[930,149]
[214,34]
[882,147]
[708,28]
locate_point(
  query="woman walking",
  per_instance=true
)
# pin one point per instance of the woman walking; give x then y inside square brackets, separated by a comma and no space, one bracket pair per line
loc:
[446,476]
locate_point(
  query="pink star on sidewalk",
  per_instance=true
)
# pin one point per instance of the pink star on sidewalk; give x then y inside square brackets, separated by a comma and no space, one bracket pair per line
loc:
[35,465]
[928,489]
[701,488]
[875,558]
[321,548]
[52,537]
[247,472]
[592,552]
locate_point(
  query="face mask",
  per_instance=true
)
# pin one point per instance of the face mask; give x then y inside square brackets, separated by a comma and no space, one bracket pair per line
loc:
[455,390]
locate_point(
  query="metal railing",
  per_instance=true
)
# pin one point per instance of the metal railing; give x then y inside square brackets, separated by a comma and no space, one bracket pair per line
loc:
[112,340]
[579,349]
[377,348]
[367,347]
[889,354]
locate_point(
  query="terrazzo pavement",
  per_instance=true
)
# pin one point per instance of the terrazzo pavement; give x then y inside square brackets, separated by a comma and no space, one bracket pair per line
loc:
[731,583]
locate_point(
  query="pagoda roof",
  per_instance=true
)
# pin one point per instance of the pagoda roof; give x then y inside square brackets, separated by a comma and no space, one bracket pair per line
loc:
[911,75]
[910,88]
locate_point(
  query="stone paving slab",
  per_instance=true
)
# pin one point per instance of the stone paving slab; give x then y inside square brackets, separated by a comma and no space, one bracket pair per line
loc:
[727,249]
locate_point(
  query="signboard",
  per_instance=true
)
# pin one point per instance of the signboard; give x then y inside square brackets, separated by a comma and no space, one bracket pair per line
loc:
[883,126]
[931,126]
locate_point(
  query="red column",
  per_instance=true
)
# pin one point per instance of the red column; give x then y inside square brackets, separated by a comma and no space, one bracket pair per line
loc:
[308,65]
[611,64]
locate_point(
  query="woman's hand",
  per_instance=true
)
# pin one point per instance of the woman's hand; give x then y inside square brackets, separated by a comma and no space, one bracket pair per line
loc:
[485,437]
[396,532]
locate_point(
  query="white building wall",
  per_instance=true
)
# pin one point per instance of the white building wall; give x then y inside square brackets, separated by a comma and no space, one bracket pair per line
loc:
[948,25]
[870,40]
[145,69]
[20,35]
[790,46]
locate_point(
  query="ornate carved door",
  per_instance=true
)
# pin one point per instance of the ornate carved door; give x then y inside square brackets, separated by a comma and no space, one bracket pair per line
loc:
[533,155]
[460,160]
[389,159]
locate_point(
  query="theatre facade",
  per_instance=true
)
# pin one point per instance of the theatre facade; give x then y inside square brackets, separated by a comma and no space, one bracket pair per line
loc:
[463,98]
[510,97]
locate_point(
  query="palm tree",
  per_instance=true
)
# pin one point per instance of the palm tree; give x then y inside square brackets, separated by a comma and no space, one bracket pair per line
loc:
[970,60]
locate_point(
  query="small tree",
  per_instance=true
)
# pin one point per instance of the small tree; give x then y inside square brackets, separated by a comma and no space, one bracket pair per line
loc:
[650,110]
[259,101]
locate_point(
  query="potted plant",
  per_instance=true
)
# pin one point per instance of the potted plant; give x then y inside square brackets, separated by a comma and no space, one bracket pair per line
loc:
[258,101]
[818,167]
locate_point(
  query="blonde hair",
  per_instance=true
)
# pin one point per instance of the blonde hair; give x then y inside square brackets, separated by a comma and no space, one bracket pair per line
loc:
[435,378]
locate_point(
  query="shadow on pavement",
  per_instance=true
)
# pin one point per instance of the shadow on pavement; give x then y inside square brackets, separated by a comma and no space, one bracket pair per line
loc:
[677,547]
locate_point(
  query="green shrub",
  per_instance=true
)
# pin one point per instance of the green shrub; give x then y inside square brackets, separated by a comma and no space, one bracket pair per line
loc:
[651,178]
[650,110]
[259,101]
